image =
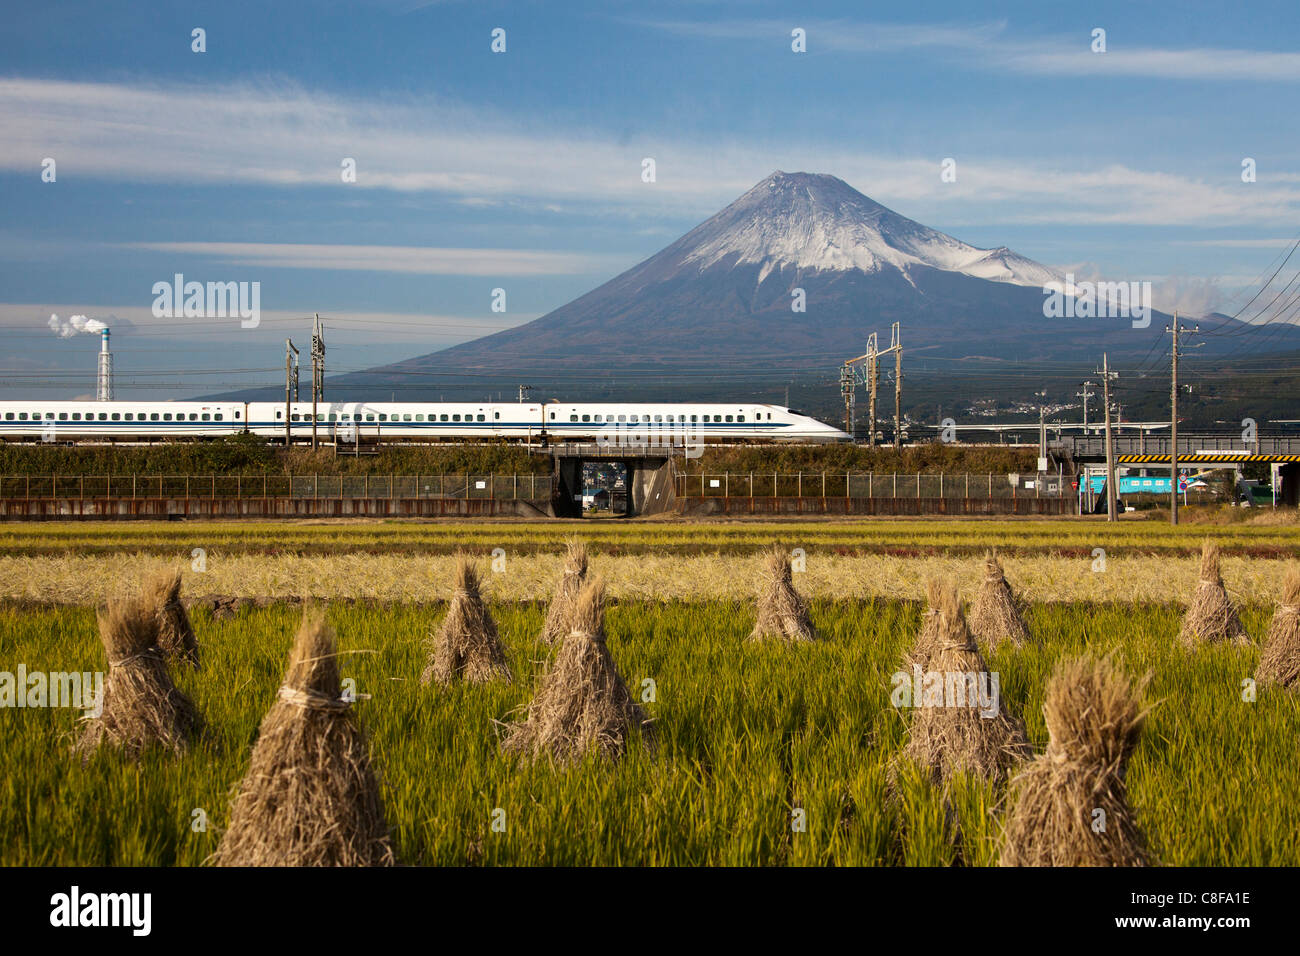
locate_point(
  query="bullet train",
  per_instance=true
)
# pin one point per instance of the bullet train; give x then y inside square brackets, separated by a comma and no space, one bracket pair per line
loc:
[429,421]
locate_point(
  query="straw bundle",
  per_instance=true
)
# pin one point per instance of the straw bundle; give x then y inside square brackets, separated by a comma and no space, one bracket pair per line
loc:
[466,645]
[1094,718]
[996,615]
[571,581]
[1279,663]
[141,706]
[581,703]
[310,797]
[927,639]
[1211,617]
[782,611]
[948,739]
[175,633]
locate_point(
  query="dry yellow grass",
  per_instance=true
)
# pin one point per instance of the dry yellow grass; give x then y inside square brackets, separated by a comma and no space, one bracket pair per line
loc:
[394,578]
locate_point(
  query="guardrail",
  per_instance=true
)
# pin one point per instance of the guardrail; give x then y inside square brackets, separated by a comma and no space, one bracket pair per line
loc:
[89,487]
[828,484]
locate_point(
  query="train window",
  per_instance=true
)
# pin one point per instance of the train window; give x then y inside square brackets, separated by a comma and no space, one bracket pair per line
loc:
[496,416]
[383,416]
[622,418]
[443,418]
[63,416]
[76,416]
[419,417]
[455,418]
[217,417]
[552,416]
[406,418]
[573,418]
[636,418]
[130,416]
[695,418]
[728,418]
[586,418]
[334,416]
[9,416]
[740,418]
[205,416]
[659,418]
[482,418]
[116,416]
[236,414]
[599,418]
[103,416]
[153,417]
[294,416]
[22,416]
[167,416]
[279,415]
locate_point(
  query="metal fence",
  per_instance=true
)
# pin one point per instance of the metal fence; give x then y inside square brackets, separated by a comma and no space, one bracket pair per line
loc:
[829,484]
[525,487]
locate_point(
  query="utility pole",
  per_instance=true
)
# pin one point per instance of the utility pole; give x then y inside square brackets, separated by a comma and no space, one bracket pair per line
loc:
[317,373]
[290,384]
[873,383]
[523,393]
[1112,497]
[1173,418]
[1085,395]
[896,345]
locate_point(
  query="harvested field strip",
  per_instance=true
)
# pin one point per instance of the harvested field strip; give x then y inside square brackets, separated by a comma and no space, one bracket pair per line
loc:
[650,577]
[744,733]
[910,538]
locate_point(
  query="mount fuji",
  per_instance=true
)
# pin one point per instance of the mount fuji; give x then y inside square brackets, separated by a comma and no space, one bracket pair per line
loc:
[721,299]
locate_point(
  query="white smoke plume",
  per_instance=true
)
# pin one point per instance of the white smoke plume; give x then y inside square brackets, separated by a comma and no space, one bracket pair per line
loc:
[73,325]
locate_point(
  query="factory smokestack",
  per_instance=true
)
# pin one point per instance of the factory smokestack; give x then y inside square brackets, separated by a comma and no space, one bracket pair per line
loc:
[104,389]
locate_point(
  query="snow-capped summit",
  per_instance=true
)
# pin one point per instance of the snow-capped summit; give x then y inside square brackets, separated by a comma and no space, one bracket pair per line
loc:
[819,222]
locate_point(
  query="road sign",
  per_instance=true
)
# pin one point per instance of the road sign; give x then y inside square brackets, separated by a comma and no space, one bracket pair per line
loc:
[1182,483]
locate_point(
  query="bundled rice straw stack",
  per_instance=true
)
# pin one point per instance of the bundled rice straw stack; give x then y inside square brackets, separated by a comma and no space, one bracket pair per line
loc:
[141,706]
[927,639]
[467,645]
[948,739]
[1279,663]
[995,616]
[782,611]
[1211,617]
[1069,807]
[581,704]
[571,581]
[175,633]
[310,797]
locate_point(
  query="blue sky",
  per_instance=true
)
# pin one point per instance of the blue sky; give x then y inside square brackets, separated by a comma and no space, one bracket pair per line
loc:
[521,170]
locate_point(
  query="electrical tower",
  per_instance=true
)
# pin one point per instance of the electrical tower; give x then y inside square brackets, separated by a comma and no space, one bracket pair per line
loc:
[317,373]
[870,360]
[290,384]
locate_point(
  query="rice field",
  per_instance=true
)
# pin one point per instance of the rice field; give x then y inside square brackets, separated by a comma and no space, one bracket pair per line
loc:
[745,735]
[748,738]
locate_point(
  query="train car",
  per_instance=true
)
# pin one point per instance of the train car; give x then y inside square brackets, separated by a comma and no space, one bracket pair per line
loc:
[428,421]
[120,421]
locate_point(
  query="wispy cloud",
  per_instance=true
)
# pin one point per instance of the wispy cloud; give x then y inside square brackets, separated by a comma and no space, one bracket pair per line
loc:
[990,46]
[403,259]
[282,135]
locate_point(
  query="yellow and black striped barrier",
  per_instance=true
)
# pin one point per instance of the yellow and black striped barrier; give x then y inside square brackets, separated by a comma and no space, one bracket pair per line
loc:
[1210,458]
